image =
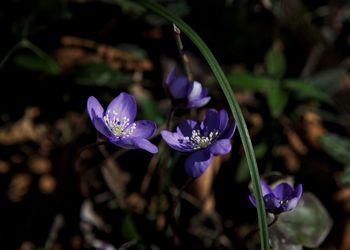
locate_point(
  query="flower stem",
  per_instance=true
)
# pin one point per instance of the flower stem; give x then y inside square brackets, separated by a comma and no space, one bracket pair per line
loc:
[188,182]
[184,57]
[170,117]
[275,218]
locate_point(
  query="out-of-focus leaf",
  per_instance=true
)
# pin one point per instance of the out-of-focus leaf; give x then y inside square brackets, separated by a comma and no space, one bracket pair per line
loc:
[133,49]
[345,177]
[242,173]
[150,110]
[277,99]
[308,224]
[180,8]
[275,61]
[328,80]
[101,75]
[129,231]
[35,63]
[243,80]
[306,90]
[336,146]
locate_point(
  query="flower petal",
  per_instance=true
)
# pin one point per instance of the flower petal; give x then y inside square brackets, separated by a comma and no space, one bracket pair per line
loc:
[298,191]
[171,76]
[272,204]
[101,127]
[197,103]
[135,143]
[176,141]
[283,191]
[178,88]
[221,147]
[94,108]
[145,144]
[144,129]
[265,189]
[215,120]
[194,91]
[124,105]
[185,128]
[252,200]
[197,163]
[229,131]
[291,204]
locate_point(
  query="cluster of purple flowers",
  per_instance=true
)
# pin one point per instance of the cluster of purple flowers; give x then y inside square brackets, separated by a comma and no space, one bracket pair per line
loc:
[203,140]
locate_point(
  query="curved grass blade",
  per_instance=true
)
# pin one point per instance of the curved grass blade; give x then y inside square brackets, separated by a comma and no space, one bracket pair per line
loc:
[236,111]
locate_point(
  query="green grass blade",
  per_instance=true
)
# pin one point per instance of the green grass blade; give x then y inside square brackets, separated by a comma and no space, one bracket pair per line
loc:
[236,111]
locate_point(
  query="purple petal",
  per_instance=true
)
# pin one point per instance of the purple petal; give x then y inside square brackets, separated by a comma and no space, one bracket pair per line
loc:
[292,203]
[197,163]
[175,141]
[144,129]
[124,105]
[229,131]
[178,88]
[135,143]
[186,127]
[197,103]
[298,191]
[272,204]
[94,108]
[215,120]
[101,127]
[283,191]
[146,145]
[265,189]
[252,200]
[171,76]
[195,90]
[221,147]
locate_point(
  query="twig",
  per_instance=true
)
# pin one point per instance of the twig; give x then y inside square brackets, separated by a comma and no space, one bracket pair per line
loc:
[185,61]
[56,226]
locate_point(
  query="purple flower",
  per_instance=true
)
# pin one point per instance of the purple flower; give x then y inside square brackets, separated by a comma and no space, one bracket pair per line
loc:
[118,125]
[206,139]
[185,93]
[282,198]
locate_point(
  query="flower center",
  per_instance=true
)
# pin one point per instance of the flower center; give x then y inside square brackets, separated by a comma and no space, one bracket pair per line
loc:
[120,127]
[198,141]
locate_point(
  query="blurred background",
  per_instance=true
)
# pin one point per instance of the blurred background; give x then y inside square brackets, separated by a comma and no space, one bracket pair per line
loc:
[287,62]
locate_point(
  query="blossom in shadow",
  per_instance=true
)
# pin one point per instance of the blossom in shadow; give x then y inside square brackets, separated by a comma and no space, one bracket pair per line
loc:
[185,93]
[117,123]
[204,140]
[282,198]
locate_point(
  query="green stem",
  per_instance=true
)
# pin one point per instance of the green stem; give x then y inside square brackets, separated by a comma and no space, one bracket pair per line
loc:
[236,111]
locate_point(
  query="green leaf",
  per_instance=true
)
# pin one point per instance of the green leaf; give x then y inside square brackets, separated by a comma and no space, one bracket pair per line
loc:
[306,90]
[129,230]
[150,110]
[235,109]
[277,99]
[98,74]
[327,80]
[275,61]
[33,62]
[336,146]
[249,81]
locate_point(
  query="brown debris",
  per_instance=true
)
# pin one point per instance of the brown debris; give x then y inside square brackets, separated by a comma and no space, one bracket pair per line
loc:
[19,187]
[78,50]
[292,161]
[4,167]
[40,165]
[24,129]
[47,184]
[313,128]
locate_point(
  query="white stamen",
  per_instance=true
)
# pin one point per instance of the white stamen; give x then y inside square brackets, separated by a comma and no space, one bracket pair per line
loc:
[119,126]
[198,141]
